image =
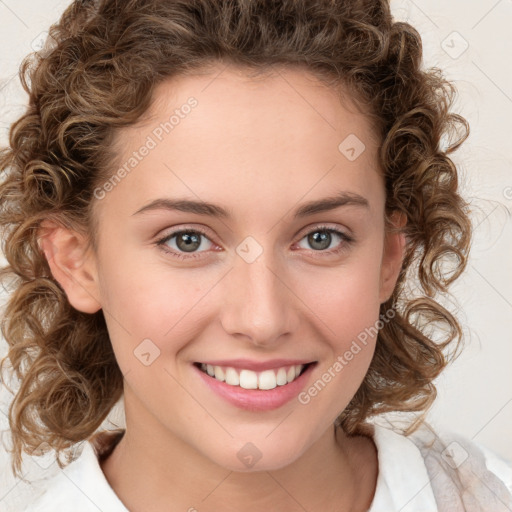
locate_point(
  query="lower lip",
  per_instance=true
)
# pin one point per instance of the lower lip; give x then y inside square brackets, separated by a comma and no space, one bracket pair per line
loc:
[257,399]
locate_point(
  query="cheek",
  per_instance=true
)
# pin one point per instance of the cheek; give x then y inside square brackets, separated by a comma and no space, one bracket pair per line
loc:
[347,315]
[142,302]
[346,297]
[344,304]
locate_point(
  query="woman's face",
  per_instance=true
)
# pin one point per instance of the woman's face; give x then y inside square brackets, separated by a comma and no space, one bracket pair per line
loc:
[258,277]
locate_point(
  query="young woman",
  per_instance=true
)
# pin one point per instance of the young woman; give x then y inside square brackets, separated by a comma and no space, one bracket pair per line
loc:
[213,210]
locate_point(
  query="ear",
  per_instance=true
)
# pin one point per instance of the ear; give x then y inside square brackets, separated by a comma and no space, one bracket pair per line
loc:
[71,264]
[392,257]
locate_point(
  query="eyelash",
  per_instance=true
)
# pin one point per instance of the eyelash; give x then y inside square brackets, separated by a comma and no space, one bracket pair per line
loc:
[348,240]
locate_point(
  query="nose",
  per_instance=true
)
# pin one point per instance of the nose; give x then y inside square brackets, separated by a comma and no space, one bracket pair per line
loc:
[258,304]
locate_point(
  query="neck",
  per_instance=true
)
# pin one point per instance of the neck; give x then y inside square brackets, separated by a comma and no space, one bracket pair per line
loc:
[337,472]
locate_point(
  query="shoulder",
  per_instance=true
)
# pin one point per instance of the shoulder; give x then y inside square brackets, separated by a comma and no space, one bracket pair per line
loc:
[80,486]
[440,471]
[466,473]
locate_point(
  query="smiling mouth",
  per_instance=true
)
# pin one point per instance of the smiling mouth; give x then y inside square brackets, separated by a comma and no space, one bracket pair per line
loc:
[248,379]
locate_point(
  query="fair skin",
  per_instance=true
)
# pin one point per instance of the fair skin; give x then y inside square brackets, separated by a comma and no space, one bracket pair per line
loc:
[260,149]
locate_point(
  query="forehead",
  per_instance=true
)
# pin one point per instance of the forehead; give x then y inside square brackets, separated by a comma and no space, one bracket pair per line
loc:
[280,135]
[259,99]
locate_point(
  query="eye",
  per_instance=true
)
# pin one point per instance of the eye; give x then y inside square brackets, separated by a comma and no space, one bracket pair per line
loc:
[322,237]
[187,241]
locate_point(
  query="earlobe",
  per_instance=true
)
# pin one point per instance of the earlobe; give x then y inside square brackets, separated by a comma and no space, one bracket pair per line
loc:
[393,257]
[72,264]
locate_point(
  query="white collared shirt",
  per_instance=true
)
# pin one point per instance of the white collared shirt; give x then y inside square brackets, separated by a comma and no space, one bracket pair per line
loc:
[404,483]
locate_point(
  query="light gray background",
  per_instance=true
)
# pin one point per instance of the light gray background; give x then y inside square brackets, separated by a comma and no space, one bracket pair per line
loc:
[475,393]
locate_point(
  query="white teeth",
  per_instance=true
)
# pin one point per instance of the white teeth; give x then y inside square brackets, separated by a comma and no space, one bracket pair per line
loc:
[281,377]
[267,380]
[249,379]
[219,373]
[232,377]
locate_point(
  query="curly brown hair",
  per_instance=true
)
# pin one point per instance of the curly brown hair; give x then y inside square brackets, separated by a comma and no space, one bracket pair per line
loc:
[97,72]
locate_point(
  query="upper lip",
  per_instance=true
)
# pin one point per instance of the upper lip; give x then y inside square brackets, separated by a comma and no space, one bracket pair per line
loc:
[257,366]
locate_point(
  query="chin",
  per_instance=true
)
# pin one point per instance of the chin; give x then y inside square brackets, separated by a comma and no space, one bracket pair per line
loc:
[261,454]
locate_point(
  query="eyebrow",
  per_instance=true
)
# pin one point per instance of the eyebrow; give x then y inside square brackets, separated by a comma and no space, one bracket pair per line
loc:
[214,210]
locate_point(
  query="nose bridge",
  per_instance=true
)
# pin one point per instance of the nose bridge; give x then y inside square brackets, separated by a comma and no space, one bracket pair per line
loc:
[259,306]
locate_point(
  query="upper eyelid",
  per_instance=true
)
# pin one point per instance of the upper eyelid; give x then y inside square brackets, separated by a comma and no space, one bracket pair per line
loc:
[185,229]
[303,232]
[307,229]
[322,226]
